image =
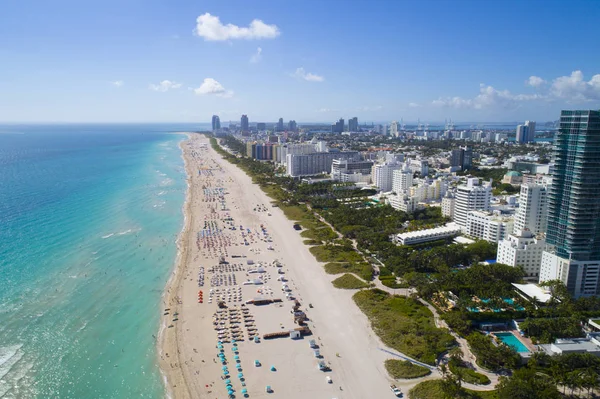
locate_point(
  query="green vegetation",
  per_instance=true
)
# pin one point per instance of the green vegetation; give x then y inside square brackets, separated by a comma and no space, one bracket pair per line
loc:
[459,369]
[335,253]
[490,356]
[404,324]
[442,389]
[349,282]
[527,384]
[361,269]
[405,369]
[545,331]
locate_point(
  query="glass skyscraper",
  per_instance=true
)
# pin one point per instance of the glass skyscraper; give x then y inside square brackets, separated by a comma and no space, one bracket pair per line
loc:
[573,234]
[574,198]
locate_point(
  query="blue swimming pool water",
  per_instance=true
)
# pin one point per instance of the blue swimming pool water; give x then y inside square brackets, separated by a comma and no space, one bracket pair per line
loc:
[512,341]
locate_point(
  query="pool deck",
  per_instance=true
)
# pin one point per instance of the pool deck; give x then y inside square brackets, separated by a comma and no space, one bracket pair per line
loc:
[524,340]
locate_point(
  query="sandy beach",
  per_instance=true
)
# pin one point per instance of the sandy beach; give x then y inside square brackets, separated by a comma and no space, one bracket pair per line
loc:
[236,248]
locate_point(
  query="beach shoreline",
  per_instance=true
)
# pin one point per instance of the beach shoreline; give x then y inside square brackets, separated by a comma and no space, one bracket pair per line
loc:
[222,197]
[173,378]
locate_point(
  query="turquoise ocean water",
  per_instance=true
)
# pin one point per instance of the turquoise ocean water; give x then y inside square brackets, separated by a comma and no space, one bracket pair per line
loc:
[89,217]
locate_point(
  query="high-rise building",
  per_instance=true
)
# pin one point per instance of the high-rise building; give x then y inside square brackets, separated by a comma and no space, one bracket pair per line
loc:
[338,127]
[526,132]
[280,125]
[292,126]
[531,214]
[394,129]
[524,250]
[353,124]
[261,126]
[471,197]
[462,158]
[573,233]
[402,180]
[216,123]
[382,175]
[244,125]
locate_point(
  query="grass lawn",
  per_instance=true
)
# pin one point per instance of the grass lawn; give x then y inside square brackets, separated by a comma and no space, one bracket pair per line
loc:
[294,212]
[320,233]
[434,389]
[404,324]
[349,282]
[363,270]
[405,369]
[335,253]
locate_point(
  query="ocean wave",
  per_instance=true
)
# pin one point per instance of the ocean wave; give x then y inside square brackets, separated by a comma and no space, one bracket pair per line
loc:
[162,193]
[120,233]
[9,356]
[166,182]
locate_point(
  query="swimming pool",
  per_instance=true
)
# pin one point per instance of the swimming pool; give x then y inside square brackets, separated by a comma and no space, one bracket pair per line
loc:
[512,341]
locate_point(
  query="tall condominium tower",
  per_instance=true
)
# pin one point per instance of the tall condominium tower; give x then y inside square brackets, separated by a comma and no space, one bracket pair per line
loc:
[532,214]
[526,132]
[280,125]
[244,123]
[353,124]
[471,197]
[216,123]
[573,235]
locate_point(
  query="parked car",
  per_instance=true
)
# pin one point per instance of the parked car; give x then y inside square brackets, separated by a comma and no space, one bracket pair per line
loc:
[396,391]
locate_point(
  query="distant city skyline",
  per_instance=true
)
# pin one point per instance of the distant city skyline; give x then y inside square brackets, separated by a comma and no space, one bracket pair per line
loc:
[117,61]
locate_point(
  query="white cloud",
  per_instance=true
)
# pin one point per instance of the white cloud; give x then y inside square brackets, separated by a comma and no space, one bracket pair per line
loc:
[575,88]
[370,108]
[535,81]
[302,74]
[413,105]
[165,85]
[256,57]
[211,87]
[488,97]
[117,83]
[210,28]
[327,110]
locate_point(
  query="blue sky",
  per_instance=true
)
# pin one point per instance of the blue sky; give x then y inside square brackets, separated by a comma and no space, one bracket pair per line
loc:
[182,61]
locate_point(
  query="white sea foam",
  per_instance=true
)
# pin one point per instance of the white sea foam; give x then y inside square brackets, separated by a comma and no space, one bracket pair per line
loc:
[166,182]
[162,193]
[108,235]
[9,356]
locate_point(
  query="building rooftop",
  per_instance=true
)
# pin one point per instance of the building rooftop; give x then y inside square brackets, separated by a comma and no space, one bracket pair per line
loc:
[448,228]
[534,290]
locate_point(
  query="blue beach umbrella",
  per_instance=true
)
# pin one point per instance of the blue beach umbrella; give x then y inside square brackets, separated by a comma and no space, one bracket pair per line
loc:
[228,381]
[240,375]
[230,392]
[224,368]
[273,368]
[244,391]
[236,357]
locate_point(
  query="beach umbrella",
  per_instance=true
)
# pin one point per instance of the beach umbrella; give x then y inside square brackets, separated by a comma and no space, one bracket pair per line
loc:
[236,357]
[244,391]
[228,381]
[240,375]
[224,368]
[230,392]
[273,368]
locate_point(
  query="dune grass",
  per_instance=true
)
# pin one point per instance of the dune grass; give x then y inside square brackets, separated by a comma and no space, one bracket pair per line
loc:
[405,369]
[349,282]
[404,324]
